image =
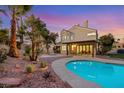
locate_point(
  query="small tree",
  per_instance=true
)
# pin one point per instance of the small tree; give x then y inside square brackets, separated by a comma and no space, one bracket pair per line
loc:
[106,43]
[54,36]
[50,38]
[36,29]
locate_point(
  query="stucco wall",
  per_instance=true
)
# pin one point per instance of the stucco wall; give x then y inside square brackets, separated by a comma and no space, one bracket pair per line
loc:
[79,34]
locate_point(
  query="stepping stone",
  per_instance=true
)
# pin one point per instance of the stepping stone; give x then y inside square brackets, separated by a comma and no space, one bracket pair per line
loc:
[10,81]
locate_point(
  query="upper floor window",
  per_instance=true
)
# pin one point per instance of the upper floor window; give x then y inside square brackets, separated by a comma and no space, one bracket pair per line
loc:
[64,37]
[72,37]
[91,34]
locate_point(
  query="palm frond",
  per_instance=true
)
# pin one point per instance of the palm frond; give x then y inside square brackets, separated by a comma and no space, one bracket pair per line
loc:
[3,12]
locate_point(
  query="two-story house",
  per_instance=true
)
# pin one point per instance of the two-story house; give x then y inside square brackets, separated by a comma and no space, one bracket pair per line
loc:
[79,40]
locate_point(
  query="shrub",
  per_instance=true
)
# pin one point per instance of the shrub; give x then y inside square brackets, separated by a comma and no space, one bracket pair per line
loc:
[43,64]
[5,47]
[3,55]
[27,51]
[30,68]
[47,75]
[32,55]
[18,45]
[3,86]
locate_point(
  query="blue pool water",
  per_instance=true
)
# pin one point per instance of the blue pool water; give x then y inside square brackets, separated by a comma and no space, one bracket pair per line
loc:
[105,75]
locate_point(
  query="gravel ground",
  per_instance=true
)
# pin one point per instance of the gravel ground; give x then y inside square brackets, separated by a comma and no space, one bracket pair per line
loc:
[37,80]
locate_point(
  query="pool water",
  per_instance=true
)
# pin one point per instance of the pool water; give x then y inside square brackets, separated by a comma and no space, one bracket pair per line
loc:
[104,75]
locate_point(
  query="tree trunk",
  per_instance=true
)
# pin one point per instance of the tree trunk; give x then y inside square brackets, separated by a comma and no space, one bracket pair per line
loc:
[13,52]
[33,52]
[21,39]
[37,47]
[22,35]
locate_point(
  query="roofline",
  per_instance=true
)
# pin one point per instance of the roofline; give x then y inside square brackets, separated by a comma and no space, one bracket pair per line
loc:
[80,27]
[80,41]
[88,28]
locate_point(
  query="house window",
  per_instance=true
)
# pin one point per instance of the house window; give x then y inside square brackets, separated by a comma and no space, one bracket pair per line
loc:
[73,47]
[67,38]
[64,37]
[64,47]
[91,34]
[72,37]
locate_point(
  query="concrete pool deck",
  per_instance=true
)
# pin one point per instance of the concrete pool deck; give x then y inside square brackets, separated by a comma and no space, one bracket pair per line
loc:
[74,80]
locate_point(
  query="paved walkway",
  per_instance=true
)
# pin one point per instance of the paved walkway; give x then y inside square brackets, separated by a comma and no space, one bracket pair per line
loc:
[51,58]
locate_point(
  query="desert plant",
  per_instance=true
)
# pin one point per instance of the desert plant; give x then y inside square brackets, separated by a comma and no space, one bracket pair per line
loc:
[43,64]
[36,29]
[27,51]
[3,86]
[47,75]
[30,68]
[18,45]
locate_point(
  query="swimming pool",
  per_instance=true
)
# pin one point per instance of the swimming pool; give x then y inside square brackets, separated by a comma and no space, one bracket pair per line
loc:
[105,75]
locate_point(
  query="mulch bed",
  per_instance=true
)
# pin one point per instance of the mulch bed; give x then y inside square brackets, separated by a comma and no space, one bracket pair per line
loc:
[15,68]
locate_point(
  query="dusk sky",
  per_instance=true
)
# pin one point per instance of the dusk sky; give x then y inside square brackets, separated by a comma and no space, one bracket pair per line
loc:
[106,19]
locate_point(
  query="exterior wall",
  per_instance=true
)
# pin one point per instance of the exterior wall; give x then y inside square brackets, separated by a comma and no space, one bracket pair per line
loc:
[118,45]
[64,49]
[80,36]
[84,48]
[78,33]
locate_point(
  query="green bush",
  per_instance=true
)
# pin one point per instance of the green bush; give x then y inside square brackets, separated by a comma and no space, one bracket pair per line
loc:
[30,68]
[43,64]
[18,45]
[27,51]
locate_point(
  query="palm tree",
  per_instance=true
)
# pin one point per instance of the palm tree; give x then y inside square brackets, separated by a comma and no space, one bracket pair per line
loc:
[53,37]
[21,31]
[47,41]
[2,11]
[20,25]
[16,11]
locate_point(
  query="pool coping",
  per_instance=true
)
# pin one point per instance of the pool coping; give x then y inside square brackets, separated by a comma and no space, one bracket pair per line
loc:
[73,80]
